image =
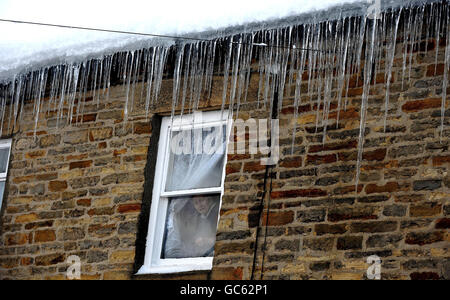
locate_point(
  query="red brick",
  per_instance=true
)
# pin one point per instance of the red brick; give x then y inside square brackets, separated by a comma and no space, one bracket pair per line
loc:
[238,156]
[80,164]
[26,261]
[301,109]
[35,154]
[129,208]
[440,160]
[142,128]
[377,155]
[425,209]
[85,118]
[348,189]
[350,113]
[16,239]
[43,236]
[254,166]
[435,70]
[84,202]
[298,193]
[387,188]
[321,159]
[354,92]
[227,273]
[414,106]
[443,223]
[331,147]
[119,152]
[278,218]
[233,168]
[291,162]
[57,186]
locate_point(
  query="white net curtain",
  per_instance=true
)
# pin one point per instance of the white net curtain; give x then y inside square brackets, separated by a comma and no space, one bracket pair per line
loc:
[196,159]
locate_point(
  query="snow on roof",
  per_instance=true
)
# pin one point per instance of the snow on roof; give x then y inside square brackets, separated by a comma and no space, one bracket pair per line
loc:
[25,47]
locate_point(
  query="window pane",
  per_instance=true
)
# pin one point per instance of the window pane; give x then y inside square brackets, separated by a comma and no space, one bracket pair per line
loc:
[3,159]
[2,190]
[196,158]
[191,225]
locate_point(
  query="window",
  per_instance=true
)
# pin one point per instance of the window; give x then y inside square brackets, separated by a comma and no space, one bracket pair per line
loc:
[5,147]
[187,193]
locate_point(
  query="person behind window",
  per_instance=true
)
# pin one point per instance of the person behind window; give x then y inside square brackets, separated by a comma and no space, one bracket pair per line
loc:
[191,227]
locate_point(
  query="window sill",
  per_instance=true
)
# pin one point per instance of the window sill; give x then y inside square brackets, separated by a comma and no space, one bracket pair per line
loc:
[172,269]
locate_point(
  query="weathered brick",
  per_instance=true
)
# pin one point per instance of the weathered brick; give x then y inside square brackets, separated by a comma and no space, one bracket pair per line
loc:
[429,185]
[321,229]
[80,164]
[425,209]
[75,137]
[424,238]
[319,244]
[349,242]
[351,213]
[377,226]
[311,216]
[382,241]
[100,134]
[298,193]
[278,218]
[321,159]
[290,245]
[42,236]
[443,223]
[129,208]
[414,106]
[51,259]
[387,188]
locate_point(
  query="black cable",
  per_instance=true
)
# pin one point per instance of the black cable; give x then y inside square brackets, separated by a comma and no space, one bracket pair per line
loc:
[268,172]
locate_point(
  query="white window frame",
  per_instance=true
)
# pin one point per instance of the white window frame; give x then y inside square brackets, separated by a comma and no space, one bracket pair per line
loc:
[6,143]
[153,264]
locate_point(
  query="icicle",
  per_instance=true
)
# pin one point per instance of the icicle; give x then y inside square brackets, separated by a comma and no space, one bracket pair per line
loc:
[161,59]
[42,84]
[17,94]
[125,111]
[137,64]
[185,79]
[446,70]
[342,63]
[298,84]
[176,80]
[150,71]
[234,77]
[438,34]
[389,64]
[76,72]
[94,88]
[369,57]
[228,55]
[406,41]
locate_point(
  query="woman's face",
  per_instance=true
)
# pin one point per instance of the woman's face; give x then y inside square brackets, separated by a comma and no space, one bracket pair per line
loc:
[202,204]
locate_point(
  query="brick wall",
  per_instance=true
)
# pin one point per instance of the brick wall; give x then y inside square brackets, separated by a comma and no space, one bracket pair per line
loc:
[77,190]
